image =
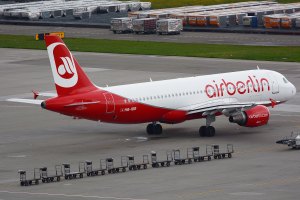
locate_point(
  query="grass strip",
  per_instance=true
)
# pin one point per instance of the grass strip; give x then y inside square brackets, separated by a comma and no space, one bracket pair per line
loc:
[278,53]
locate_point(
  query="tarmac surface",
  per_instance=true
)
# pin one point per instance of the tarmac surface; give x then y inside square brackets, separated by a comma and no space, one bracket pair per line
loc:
[184,37]
[31,137]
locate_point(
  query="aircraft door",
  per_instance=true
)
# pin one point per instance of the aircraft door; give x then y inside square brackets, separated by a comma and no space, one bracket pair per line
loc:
[110,102]
[275,85]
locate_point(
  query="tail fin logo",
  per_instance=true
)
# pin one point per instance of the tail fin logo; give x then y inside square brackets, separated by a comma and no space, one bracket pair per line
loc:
[62,65]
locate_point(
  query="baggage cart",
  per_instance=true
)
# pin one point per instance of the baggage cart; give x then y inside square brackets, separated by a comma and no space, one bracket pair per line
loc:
[68,174]
[132,165]
[293,141]
[90,171]
[111,169]
[169,26]
[144,25]
[178,160]
[218,155]
[27,182]
[46,178]
[155,163]
[195,154]
[121,25]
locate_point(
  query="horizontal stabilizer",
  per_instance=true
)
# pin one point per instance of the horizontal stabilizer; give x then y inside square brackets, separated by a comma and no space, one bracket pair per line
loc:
[29,101]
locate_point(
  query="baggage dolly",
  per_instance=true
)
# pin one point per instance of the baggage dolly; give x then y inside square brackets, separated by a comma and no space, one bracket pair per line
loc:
[27,182]
[70,175]
[111,169]
[178,160]
[134,166]
[194,153]
[46,178]
[218,155]
[93,172]
[156,163]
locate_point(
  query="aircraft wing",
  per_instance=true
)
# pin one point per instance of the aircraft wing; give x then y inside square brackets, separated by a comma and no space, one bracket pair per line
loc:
[226,107]
[29,101]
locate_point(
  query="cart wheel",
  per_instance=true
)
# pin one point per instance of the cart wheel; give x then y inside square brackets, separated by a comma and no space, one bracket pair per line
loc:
[153,165]
[124,169]
[66,177]
[134,167]
[74,175]
[209,158]
[176,163]
[139,167]
[183,162]
[130,168]
[145,166]
[190,161]
[219,156]
[223,155]
[21,183]
[81,175]
[96,173]
[162,164]
[215,157]
[114,32]
[109,171]
[229,155]
[43,180]
[30,182]
[26,183]
[47,180]
[58,179]
[102,172]
[168,164]
[195,160]
[37,182]
[52,179]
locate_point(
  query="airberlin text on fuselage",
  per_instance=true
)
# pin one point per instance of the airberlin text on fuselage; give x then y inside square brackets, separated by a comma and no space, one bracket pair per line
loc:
[252,84]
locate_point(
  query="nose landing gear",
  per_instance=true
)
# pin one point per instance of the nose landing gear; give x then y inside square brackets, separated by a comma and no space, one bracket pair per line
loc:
[154,129]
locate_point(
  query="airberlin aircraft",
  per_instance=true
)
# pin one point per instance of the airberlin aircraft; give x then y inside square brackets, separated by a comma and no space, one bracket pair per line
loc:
[243,96]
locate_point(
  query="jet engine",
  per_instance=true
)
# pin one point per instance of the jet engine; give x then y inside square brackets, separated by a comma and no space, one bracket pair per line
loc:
[256,116]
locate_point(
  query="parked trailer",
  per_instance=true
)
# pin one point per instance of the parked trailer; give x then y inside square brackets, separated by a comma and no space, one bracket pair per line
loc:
[218,155]
[169,26]
[46,178]
[162,163]
[93,172]
[178,160]
[111,169]
[194,153]
[27,182]
[144,26]
[70,175]
[132,165]
[121,25]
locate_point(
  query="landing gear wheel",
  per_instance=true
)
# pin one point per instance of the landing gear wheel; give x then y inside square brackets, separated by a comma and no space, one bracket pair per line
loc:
[154,129]
[208,131]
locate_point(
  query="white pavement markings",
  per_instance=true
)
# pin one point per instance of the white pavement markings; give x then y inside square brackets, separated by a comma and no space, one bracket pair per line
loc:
[69,195]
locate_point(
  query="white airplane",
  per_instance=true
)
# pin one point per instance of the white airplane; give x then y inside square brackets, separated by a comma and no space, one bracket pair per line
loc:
[241,96]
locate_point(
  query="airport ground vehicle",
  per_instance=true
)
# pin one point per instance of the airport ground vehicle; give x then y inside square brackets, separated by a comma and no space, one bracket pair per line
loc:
[242,96]
[156,163]
[292,141]
[27,182]
[219,154]
[90,171]
[46,178]
[132,165]
[68,174]
[194,153]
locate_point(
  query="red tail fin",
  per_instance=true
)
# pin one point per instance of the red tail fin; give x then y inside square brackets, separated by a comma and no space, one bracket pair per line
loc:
[68,76]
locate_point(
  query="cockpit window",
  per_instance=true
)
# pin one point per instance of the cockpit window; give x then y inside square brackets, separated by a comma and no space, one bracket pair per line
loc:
[284,80]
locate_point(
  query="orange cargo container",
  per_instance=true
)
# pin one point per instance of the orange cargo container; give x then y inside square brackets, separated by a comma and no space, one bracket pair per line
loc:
[272,21]
[192,20]
[202,21]
[286,22]
[213,21]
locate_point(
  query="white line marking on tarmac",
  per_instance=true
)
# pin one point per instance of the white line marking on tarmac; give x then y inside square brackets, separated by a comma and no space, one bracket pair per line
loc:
[69,195]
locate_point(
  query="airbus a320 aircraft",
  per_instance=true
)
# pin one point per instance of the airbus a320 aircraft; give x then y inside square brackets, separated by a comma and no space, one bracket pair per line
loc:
[241,96]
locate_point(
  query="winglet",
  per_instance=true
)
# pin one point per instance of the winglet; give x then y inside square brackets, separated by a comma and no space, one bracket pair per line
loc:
[35,94]
[273,103]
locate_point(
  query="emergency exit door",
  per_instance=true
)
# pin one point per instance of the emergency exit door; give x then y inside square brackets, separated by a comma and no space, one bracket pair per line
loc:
[110,103]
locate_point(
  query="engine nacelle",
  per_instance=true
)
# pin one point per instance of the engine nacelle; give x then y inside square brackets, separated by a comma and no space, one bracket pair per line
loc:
[256,116]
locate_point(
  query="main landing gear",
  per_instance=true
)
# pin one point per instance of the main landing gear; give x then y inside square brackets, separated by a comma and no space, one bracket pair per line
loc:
[208,131]
[154,129]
